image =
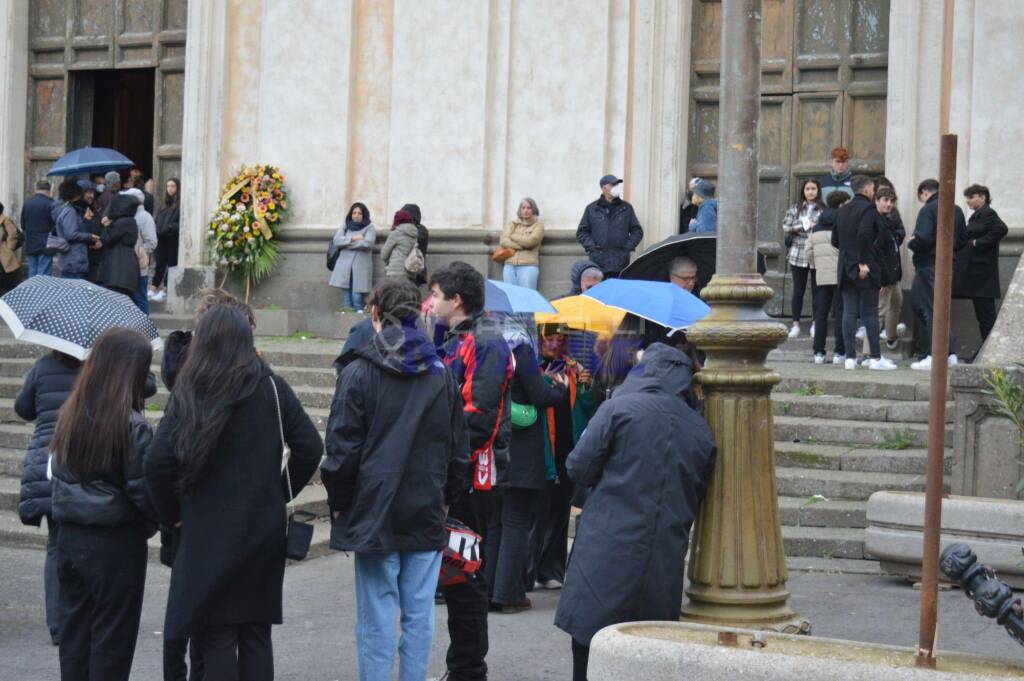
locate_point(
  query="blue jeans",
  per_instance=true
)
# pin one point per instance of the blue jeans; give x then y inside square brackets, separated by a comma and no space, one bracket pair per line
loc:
[353,299]
[40,264]
[140,298]
[521,275]
[387,584]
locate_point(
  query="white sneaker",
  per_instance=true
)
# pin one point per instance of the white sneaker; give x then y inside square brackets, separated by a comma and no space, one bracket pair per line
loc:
[850,364]
[149,293]
[901,330]
[838,359]
[953,361]
[819,359]
[923,365]
[159,296]
[551,584]
[795,331]
[881,364]
[861,333]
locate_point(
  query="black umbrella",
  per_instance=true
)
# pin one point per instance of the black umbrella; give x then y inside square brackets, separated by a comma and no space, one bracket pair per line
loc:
[70,314]
[654,262]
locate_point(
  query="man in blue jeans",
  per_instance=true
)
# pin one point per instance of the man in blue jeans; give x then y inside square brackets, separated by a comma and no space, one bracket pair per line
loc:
[397,455]
[37,222]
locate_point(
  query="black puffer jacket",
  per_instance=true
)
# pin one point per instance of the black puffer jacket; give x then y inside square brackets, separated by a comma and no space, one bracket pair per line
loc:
[47,385]
[113,498]
[397,446]
[609,232]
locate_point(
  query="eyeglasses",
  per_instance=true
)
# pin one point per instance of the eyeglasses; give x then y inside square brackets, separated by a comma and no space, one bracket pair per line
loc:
[684,277]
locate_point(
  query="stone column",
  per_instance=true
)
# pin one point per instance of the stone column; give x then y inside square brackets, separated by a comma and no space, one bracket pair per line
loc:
[737,564]
[13,95]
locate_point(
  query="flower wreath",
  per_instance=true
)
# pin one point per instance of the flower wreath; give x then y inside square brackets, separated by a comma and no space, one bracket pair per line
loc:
[244,228]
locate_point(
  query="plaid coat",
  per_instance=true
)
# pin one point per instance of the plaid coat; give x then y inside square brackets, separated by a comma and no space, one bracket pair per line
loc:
[799,222]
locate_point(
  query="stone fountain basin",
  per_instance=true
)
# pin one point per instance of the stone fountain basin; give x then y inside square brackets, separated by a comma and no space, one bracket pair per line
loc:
[659,651]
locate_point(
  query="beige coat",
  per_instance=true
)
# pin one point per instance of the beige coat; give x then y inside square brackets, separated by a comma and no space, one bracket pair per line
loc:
[8,256]
[525,240]
[823,258]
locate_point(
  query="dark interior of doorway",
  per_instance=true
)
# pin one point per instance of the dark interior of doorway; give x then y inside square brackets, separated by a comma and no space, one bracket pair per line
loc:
[115,108]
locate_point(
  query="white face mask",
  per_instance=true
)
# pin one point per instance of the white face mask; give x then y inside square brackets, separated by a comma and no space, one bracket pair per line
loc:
[617,190]
[100,188]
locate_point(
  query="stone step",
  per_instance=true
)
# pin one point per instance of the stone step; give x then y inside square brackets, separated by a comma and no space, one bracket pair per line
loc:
[11,461]
[845,485]
[10,492]
[833,566]
[896,434]
[904,385]
[838,407]
[840,457]
[823,542]
[834,513]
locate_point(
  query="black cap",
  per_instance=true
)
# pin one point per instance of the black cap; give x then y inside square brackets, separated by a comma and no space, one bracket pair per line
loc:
[609,179]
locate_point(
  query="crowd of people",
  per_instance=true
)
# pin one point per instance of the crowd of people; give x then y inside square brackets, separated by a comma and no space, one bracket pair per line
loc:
[101,229]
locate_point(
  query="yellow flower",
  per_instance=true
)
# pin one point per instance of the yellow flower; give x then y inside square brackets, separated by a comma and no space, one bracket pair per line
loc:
[272,205]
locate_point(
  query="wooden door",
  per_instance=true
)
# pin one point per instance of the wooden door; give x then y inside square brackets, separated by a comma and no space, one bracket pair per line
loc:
[823,85]
[88,35]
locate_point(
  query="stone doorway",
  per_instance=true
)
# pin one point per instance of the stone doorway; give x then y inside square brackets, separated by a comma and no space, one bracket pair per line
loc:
[114,108]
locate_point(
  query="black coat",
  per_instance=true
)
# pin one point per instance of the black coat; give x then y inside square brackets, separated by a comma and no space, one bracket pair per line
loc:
[976,272]
[45,389]
[648,457]
[922,243]
[527,468]
[891,234]
[168,221]
[36,222]
[609,232]
[396,445]
[856,236]
[119,268]
[229,566]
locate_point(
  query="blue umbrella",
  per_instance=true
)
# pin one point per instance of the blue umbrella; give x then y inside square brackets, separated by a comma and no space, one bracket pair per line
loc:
[656,301]
[90,160]
[511,299]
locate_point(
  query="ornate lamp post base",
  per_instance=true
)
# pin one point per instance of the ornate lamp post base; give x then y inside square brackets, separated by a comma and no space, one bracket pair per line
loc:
[738,564]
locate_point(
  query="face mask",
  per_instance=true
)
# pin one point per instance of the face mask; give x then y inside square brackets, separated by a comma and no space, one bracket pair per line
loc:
[617,190]
[100,188]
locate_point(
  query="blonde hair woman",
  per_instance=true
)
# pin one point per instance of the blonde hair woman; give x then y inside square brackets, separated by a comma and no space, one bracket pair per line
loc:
[523,235]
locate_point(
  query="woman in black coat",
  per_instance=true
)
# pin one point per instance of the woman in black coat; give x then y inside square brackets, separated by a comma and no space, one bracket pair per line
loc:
[976,273]
[168,226]
[216,468]
[45,389]
[119,268]
[508,556]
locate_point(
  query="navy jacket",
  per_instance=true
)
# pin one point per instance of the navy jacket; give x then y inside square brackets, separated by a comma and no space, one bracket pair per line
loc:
[609,232]
[36,222]
[856,236]
[925,229]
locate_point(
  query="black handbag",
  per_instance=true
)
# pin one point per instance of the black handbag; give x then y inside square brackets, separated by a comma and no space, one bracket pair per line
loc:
[790,238]
[332,255]
[299,534]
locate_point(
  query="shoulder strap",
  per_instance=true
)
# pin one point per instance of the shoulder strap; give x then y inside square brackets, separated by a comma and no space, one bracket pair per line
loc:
[285,452]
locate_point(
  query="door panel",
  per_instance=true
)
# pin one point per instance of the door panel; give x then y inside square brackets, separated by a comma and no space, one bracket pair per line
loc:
[817,129]
[773,171]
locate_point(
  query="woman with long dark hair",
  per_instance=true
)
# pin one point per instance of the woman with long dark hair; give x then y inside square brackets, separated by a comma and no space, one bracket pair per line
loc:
[619,356]
[168,225]
[353,270]
[797,225]
[216,468]
[102,507]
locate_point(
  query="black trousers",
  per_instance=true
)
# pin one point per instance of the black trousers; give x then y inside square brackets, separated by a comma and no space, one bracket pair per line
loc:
[175,669]
[854,298]
[922,300]
[509,535]
[166,255]
[238,652]
[468,602]
[102,574]
[985,312]
[825,299]
[550,535]
[800,276]
[580,660]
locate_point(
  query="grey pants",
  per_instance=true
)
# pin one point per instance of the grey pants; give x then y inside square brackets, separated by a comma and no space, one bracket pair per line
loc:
[51,587]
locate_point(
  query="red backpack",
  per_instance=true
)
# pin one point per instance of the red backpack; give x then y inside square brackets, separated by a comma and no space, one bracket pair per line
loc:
[462,556]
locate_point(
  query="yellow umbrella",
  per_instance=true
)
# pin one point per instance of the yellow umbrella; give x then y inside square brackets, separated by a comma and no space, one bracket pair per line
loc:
[583,314]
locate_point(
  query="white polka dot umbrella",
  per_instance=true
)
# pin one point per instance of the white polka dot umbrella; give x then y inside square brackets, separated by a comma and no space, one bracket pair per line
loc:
[70,314]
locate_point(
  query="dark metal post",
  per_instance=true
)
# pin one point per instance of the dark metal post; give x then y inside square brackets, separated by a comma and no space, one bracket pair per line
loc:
[937,404]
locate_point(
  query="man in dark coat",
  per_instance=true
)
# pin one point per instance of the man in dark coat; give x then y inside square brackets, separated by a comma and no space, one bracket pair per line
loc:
[396,460]
[859,271]
[648,456]
[976,271]
[37,223]
[609,230]
[922,244]
[479,358]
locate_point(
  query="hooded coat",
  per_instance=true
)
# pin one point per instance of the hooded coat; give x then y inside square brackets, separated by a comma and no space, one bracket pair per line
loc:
[229,564]
[397,448]
[119,269]
[647,457]
[400,242]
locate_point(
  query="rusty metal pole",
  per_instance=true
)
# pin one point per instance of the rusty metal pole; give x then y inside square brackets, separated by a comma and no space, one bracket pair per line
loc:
[926,649]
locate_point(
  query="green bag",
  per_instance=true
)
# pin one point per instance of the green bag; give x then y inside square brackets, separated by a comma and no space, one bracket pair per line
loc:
[523,415]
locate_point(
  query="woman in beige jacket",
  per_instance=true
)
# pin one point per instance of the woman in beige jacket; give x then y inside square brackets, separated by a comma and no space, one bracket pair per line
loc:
[9,245]
[523,235]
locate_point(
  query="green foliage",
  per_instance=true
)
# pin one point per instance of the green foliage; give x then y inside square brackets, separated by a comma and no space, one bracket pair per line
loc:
[1008,396]
[810,390]
[786,407]
[302,335]
[814,499]
[897,438]
[153,407]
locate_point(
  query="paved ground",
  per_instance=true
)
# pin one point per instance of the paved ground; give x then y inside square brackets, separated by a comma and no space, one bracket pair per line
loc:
[317,640]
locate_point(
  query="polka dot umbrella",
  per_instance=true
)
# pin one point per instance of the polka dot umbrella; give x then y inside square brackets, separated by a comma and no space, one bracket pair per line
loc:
[70,314]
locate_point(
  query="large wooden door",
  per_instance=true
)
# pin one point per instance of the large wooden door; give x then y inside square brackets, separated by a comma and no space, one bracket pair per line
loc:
[89,35]
[823,85]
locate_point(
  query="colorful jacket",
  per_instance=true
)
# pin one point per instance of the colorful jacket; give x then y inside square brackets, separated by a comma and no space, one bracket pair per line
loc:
[581,403]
